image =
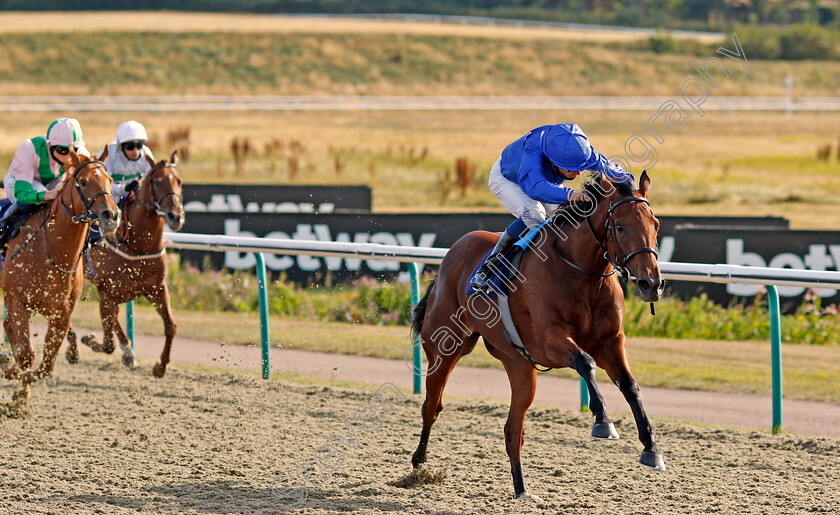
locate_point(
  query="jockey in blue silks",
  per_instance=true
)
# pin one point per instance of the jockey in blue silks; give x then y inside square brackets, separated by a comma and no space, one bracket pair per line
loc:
[529,178]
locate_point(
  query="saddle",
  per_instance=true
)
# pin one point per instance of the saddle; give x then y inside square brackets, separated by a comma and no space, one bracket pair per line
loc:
[503,275]
[12,219]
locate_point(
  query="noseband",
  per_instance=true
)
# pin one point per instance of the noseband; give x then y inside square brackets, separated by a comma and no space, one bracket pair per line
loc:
[155,205]
[619,259]
[87,216]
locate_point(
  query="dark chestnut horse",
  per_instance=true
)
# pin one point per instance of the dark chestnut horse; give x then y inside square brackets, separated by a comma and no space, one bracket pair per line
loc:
[567,304]
[42,273]
[134,264]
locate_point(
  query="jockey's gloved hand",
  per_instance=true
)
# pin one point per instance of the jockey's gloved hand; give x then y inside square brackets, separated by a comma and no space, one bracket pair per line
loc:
[132,186]
[579,196]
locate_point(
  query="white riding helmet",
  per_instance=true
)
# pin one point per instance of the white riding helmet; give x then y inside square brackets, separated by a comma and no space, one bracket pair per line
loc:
[131,131]
[65,132]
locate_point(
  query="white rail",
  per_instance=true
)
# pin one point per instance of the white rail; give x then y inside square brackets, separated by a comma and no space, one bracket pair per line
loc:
[771,277]
[433,255]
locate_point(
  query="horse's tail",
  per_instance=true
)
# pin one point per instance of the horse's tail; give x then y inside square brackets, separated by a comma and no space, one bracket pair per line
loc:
[420,311]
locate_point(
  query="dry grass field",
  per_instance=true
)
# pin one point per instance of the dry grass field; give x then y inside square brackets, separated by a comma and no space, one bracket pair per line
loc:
[724,163]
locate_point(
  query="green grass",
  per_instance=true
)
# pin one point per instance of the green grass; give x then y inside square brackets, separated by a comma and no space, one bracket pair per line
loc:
[130,63]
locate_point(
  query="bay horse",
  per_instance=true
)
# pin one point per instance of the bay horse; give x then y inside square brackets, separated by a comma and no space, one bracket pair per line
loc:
[134,265]
[568,307]
[45,277]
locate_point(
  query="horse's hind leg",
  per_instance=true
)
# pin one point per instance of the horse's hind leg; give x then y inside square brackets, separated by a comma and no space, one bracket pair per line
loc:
[604,429]
[435,383]
[619,371]
[72,353]
[159,297]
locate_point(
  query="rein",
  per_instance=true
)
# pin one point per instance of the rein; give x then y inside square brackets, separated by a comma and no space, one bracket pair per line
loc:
[619,262]
[619,259]
[155,205]
[86,217]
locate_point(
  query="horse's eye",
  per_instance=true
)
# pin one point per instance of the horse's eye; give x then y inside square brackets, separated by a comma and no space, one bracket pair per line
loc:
[619,228]
[83,183]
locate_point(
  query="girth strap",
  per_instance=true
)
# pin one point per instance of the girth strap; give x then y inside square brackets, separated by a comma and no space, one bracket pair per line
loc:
[510,332]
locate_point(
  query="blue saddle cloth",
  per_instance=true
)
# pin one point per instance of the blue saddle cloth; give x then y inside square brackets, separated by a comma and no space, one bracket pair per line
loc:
[497,283]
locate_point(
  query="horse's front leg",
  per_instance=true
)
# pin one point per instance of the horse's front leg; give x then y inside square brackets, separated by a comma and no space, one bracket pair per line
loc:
[562,351]
[17,330]
[128,358]
[615,363]
[56,333]
[72,353]
[159,297]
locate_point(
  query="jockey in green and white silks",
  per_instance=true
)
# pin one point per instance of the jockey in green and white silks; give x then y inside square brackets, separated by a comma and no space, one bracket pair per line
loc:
[127,161]
[40,161]
[528,178]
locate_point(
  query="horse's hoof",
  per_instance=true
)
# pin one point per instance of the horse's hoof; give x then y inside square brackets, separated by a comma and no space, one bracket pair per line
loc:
[128,361]
[158,371]
[604,431]
[526,495]
[417,460]
[652,460]
[72,357]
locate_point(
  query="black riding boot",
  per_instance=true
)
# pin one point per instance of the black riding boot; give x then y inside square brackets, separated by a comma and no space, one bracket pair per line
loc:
[484,272]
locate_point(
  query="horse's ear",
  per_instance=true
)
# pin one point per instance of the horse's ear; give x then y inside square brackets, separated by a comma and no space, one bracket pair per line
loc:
[104,155]
[75,162]
[174,159]
[150,160]
[644,184]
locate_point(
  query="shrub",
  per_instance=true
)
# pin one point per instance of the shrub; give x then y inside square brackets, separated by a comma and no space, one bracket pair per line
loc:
[807,41]
[662,43]
[757,42]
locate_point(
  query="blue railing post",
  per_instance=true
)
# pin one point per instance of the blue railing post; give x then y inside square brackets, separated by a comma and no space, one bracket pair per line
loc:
[263,296]
[584,396]
[129,321]
[776,356]
[414,276]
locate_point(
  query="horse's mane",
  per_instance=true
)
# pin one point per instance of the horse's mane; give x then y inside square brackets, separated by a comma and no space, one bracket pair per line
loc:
[591,186]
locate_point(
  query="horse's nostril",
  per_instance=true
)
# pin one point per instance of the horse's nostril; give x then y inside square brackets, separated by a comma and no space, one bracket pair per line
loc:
[644,285]
[107,214]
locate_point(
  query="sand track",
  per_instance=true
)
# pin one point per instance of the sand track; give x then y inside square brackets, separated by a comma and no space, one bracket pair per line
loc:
[103,439]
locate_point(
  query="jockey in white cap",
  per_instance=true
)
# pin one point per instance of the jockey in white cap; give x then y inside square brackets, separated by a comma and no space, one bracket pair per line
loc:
[127,158]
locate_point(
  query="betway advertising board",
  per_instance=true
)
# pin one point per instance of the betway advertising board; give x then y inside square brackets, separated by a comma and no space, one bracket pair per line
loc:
[756,246]
[414,229]
[274,198]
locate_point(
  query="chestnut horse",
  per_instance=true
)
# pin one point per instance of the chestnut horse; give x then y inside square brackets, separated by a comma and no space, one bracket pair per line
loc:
[135,264]
[41,273]
[568,307]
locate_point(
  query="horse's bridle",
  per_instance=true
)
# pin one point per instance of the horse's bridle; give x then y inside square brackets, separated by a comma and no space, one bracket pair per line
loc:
[155,205]
[87,216]
[619,261]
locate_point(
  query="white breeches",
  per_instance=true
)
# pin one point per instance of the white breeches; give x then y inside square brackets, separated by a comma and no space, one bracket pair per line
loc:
[520,205]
